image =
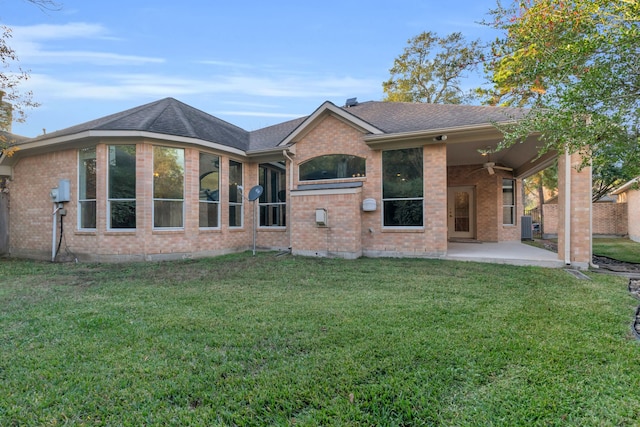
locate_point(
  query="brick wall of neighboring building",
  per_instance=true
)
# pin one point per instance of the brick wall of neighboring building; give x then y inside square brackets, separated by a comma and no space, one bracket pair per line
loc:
[609,219]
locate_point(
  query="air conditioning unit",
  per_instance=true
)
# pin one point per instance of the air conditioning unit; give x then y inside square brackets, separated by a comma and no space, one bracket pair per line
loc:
[527,228]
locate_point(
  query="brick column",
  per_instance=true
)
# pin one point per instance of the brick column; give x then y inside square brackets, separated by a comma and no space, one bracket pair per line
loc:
[574,211]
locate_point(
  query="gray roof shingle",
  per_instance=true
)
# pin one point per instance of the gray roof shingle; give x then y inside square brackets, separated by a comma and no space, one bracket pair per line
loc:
[167,116]
[398,117]
[171,117]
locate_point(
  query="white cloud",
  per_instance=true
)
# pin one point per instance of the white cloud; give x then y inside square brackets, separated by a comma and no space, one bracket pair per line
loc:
[73,30]
[30,42]
[131,86]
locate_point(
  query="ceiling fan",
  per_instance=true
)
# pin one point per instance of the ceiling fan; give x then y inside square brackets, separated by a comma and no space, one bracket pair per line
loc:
[490,166]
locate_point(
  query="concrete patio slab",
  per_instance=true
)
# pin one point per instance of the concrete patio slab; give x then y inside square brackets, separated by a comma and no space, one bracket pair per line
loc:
[514,253]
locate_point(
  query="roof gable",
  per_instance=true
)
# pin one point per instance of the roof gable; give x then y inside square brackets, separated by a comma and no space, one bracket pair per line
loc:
[328,108]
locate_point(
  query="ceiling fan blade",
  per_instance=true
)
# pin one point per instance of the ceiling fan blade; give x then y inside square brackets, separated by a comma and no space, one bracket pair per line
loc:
[504,168]
[490,170]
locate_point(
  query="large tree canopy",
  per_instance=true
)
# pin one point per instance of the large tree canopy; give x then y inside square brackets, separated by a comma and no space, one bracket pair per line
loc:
[431,68]
[575,64]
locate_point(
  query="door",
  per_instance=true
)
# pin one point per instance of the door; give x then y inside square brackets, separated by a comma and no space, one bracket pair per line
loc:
[461,213]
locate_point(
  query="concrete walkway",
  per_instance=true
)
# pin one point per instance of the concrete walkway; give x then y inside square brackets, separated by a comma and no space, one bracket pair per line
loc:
[514,253]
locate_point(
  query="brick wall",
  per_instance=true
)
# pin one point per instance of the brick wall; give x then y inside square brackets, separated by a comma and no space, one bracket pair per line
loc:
[488,201]
[31,208]
[608,219]
[579,194]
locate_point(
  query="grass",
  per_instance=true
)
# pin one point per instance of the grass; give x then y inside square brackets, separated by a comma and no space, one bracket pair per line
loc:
[266,340]
[617,248]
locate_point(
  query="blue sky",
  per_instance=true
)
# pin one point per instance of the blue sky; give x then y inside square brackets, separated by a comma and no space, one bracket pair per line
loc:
[251,63]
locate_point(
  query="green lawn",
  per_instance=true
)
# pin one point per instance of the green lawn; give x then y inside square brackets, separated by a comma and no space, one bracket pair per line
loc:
[266,340]
[617,248]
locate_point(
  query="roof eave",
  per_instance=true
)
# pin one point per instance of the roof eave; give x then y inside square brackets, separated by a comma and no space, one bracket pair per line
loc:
[456,134]
[45,145]
[626,186]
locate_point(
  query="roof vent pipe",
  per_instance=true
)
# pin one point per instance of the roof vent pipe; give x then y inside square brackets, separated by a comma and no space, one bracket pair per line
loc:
[351,102]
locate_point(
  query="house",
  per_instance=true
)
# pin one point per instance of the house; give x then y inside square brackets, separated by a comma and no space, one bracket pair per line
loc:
[629,193]
[165,180]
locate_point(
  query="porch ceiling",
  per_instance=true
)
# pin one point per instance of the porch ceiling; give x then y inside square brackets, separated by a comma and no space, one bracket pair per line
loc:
[523,157]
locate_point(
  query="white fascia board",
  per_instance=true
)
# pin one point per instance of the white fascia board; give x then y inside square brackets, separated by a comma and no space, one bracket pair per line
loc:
[329,107]
[431,133]
[626,186]
[128,134]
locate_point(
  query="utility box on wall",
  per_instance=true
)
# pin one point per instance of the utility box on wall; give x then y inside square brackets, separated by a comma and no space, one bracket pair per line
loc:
[62,193]
[369,205]
[321,217]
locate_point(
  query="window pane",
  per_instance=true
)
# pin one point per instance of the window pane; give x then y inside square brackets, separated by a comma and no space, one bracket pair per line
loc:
[235,216]
[87,170]
[123,214]
[167,213]
[507,192]
[209,172]
[235,180]
[209,214]
[333,166]
[507,215]
[122,172]
[403,213]
[209,177]
[168,173]
[508,202]
[402,173]
[88,214]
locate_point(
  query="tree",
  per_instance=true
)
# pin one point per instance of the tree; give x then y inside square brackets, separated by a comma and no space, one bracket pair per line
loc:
[574,63]
[431,68]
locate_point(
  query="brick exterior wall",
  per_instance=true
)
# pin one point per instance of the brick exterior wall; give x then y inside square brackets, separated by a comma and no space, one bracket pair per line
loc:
[488,201]
[351,232]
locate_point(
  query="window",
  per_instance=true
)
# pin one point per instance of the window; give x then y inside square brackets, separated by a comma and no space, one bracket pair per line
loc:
[209,191]
[272,201]
[235,194]
[87,188]
[168,187]
[121,199]
[508,202]
[402,188]
[333,166]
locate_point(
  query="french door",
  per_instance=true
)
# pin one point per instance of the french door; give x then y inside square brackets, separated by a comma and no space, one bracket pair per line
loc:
[461,213]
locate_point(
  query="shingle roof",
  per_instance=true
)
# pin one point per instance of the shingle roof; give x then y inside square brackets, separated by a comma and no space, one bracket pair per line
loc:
[166,116]
[396,117]
[271,136]
[171,117]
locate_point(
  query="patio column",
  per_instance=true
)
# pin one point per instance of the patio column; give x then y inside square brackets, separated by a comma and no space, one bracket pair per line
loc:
[574,211]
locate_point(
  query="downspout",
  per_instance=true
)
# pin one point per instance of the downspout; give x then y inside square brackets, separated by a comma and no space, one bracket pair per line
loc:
[567,208]
[285,153]
[591,264]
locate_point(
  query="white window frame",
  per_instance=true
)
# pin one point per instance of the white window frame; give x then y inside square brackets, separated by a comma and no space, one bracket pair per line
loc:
[84,200]
[155,199]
